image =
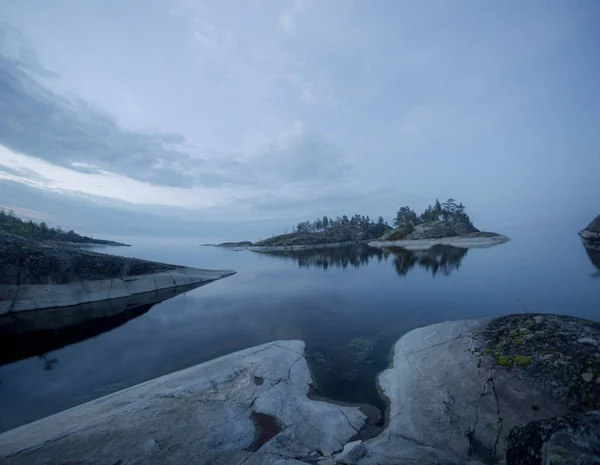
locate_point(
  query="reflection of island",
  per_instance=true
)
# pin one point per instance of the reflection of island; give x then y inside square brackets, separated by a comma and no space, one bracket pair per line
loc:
[31,333]
[593,252]
[439,258]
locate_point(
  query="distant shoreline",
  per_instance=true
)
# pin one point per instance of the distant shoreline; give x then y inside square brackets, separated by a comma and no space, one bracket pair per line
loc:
[277,248]
[85,244]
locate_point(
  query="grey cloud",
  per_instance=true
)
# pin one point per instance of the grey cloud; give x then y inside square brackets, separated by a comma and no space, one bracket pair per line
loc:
[71,133]
[37,122]
[22,173]
[127,222]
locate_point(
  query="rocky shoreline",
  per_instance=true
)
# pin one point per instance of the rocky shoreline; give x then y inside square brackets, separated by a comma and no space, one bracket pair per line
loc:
[467,241]
[38,275]
[280,248]
[519,389]
[591,232]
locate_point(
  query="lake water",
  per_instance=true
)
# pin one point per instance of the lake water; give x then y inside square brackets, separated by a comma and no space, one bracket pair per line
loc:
[349,305]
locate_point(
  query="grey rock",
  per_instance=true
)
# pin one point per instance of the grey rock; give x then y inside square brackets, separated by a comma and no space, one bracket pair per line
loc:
[199,415]
[456,389]
[570,440]
[592,230]
[38,276]
[351,453]
[465,242]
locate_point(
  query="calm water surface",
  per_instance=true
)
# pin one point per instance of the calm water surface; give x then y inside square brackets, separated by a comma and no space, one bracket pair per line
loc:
[348,305]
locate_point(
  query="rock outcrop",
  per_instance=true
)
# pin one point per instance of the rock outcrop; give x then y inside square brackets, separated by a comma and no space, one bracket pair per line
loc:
[426,235]
[520,389]
[248,407]
[569,440]
[469,241]
[592,230]
[37,332]
[37,276]
[456,390]
[433,230]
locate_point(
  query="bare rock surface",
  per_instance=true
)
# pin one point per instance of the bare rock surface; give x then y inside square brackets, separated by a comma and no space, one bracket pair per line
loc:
[592,230]
[39,276]
[248,407]
[569,440]
[468,241]
[457,389]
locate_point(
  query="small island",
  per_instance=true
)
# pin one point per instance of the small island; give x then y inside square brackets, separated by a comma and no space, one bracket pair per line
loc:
[326,232]
[444,223]
[440,224]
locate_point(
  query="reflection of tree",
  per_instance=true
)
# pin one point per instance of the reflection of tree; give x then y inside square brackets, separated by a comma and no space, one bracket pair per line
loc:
[593,252]
[439,258]
[338,257]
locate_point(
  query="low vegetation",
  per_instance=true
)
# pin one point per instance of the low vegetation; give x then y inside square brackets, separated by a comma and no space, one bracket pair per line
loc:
[29,229]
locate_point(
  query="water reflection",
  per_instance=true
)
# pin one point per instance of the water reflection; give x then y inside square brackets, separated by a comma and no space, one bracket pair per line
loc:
[439,259]
[593,252]
[34,333]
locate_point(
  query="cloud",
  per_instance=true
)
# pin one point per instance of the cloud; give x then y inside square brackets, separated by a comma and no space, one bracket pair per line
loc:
[288,23]
[71,133]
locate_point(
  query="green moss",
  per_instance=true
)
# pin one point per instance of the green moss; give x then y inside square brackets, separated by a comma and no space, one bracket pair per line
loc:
[518,341]
[487,350]
[522,360]
[503,360]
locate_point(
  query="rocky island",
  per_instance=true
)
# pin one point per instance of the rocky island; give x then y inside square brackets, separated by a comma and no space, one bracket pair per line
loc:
[591,233]
[519,389]
[440,224]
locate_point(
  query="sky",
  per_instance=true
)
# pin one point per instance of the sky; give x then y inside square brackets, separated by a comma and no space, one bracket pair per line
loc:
[226,120]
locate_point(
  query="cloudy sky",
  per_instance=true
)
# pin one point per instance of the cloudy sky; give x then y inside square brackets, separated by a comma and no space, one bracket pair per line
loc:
[232,120]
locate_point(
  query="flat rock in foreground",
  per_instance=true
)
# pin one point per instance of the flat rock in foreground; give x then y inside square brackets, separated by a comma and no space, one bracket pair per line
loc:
[458,389]
[248,407]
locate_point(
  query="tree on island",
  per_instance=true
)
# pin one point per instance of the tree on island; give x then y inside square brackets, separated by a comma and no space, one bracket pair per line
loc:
[406,219]
[360,223]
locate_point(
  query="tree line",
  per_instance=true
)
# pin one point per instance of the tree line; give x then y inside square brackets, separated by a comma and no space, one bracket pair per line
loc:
[29,229]
[406,218]
[358,222]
